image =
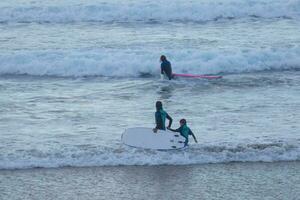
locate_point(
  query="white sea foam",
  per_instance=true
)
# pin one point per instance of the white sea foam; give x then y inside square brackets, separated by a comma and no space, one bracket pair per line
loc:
[119,63]
[159,11]
[122,155]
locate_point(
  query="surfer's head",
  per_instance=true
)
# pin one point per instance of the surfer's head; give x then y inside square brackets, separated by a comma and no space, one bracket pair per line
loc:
[163,58]
[182,122]
[158,105]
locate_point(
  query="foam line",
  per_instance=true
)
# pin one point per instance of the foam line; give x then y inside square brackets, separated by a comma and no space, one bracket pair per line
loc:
[119,63]
[123,155]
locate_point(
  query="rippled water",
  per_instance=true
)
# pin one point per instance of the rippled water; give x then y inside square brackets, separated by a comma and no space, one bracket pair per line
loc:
[79,121]
[74,75]
[221,181]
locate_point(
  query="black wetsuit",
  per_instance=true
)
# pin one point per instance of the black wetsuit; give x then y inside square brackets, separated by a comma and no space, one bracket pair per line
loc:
[160,118]
[166,69]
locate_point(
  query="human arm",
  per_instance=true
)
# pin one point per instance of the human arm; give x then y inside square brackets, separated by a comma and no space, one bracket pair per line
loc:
[192,134]
[170,120]
[175,130]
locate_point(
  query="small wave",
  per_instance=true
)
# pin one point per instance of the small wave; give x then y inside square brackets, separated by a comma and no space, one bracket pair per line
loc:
[148,11]
[123,155]
[120,63]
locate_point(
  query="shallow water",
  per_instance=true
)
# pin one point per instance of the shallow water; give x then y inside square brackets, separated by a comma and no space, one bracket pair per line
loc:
[51,122]
[74,75]
[218,181]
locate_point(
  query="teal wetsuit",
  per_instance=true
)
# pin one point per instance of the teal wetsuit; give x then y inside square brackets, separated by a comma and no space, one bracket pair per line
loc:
[185,131]
[160,119]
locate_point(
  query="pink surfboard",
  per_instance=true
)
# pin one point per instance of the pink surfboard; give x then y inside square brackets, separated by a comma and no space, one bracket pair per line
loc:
[197,76]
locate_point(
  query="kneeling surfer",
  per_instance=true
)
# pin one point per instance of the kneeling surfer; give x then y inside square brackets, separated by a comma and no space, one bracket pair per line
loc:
[160,118]
[185,131]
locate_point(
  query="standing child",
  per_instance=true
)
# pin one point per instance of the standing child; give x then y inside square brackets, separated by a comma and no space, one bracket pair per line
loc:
[160,117]
[185,131]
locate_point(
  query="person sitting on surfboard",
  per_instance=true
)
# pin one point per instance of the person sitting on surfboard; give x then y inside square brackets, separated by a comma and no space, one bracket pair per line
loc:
[185,131]
[160,118]
[166,68]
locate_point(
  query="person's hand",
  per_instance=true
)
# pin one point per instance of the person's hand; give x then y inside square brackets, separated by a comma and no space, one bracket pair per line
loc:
[155,130]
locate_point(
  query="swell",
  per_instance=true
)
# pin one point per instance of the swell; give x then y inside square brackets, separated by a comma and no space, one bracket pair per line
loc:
[148,11]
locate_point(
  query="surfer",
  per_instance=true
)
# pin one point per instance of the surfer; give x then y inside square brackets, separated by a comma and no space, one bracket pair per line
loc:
[166,68]
[160,118]
[185,131]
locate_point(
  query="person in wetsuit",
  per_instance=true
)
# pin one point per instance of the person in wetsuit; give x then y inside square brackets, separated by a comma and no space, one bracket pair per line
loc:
[160,118]
[166,68]
[185,131]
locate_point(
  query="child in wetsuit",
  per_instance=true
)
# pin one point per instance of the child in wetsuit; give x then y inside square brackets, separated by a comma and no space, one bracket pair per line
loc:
[160,118]
[185,131]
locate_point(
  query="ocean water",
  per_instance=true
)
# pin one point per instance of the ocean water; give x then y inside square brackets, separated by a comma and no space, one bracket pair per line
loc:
[253,181]
[75,74]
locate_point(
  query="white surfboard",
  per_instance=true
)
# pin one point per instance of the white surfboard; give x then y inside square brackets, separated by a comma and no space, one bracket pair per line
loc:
[147,139]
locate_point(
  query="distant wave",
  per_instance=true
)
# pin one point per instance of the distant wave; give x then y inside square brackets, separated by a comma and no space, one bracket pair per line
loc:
[271,151]
[121,63]
[151,11]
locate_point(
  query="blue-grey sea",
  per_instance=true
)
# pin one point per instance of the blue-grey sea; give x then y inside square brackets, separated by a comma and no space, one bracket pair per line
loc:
[75,74]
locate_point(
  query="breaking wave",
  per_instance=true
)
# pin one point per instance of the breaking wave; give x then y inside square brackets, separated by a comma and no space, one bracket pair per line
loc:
[123,155]
[149,11]
[119,63]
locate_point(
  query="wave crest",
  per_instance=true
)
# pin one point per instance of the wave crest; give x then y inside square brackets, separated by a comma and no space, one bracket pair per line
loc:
[118,63]
[147,11]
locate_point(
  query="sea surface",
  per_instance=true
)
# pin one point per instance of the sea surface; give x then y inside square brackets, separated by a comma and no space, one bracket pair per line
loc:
[75,74]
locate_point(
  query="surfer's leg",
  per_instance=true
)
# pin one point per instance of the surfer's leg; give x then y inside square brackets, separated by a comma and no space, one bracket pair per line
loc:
[168,76]
[186,141]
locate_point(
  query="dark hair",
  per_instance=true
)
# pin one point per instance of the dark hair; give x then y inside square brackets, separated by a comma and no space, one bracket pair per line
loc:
[158,105]
[163,58]
[182,121]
